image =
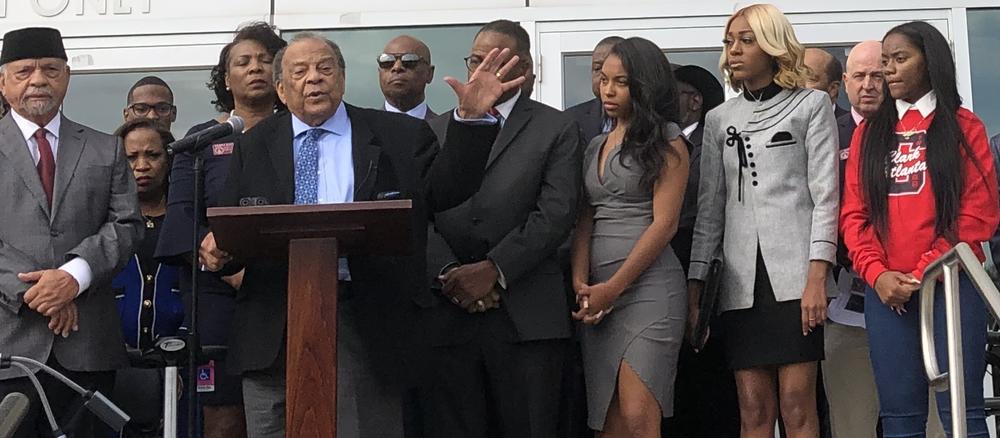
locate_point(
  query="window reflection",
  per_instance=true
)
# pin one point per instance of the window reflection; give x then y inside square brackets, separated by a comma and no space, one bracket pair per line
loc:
[449,46]
[983,42]
[576,71]
[97,99]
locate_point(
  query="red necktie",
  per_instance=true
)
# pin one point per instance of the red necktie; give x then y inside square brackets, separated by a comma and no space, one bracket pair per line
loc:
[496,115]
[46,164]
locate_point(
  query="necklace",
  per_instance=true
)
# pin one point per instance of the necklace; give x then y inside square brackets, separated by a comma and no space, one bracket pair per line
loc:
[755,98]
[907,133]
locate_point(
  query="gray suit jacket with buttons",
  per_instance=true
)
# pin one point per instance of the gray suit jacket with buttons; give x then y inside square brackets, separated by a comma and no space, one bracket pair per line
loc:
[769,178]
[95,215]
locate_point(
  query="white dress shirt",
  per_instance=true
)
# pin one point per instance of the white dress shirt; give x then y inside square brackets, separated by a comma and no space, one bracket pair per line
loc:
[419,111]
[690,128]
[78,268]
[858,118]
[925,105]
[336,164]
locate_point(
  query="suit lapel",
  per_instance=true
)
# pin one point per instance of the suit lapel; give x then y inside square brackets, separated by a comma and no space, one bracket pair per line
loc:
[71,144]
[519,117]
[15,151]
[697,135]
[597,114]
[281,148]
[365,153]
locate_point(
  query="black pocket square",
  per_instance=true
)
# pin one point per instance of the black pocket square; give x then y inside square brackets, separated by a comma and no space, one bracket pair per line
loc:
[782,138]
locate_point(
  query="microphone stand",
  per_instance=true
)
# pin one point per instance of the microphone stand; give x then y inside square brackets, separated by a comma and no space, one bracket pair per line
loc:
[94,401]
[193,341]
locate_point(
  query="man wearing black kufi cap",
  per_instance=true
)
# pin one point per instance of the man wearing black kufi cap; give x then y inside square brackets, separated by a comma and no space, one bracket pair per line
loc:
[69,221]
[705,397]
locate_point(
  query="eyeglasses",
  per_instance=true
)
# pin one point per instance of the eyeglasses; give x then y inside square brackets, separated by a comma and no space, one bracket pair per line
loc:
[409,60]
[472,62]
[162,108]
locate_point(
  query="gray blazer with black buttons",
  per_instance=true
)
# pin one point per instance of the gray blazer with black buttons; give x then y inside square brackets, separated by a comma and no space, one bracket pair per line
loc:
[769,179]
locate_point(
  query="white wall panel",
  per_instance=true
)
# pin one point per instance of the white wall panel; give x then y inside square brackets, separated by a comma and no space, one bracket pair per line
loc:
[131,17]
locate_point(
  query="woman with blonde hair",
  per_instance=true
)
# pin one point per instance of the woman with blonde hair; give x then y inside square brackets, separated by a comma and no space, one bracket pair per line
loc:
[768,207]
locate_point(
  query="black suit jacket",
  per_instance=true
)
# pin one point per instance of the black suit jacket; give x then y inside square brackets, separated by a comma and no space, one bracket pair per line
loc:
[838,112]
[590,116]
[523,211]
[845,130]
[682,240]
[391,152]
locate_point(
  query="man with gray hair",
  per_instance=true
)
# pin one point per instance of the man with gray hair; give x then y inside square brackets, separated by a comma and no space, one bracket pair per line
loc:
[70,221]
[321,151]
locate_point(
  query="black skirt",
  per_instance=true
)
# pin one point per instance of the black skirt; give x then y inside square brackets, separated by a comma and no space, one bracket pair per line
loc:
[770,332]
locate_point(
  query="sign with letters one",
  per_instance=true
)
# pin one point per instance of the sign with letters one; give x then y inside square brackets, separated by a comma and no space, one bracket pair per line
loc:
[95,18]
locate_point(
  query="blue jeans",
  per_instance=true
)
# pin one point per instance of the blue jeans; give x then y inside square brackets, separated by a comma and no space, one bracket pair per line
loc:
[897,361]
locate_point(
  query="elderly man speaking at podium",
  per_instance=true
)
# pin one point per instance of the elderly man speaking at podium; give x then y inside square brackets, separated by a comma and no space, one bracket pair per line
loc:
[325,151]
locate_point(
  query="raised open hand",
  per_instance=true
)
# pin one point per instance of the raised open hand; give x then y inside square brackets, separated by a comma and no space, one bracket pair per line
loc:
[485,86]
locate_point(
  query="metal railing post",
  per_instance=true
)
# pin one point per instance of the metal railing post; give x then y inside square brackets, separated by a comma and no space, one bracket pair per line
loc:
[956,365]
[949,265]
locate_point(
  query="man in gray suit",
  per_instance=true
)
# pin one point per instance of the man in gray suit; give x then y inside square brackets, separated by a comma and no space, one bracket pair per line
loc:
[500,323]
[69,222]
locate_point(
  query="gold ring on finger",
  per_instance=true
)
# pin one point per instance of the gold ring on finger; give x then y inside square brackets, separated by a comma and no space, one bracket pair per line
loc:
[499,75]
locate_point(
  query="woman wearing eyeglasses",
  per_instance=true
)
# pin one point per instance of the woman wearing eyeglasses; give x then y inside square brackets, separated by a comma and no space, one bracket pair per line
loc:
[404,70]
[244,86]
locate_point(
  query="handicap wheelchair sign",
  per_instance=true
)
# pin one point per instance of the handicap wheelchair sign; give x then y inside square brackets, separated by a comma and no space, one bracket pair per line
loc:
[206,377]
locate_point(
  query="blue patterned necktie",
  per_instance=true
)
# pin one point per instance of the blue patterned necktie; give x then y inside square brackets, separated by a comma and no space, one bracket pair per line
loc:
[307,168]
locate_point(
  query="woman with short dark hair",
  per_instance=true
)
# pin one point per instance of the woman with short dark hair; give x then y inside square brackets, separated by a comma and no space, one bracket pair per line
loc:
[146,291]
[634,180]
[919,180]
[243,83]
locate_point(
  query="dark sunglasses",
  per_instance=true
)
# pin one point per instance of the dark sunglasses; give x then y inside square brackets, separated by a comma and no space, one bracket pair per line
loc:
[409,60]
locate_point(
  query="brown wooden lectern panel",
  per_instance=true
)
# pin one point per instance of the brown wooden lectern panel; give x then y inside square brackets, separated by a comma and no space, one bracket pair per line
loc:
[312,237]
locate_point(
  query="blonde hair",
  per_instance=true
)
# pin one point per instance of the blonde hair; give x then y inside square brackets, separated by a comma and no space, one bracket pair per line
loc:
[775,37]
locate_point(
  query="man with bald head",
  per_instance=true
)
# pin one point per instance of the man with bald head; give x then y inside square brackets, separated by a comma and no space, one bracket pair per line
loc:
[404,70]
[825,77]
[847,371]
[590,114]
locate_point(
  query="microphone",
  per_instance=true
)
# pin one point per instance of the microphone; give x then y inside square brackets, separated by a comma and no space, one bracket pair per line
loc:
[13,408]
[94,401]
[201,138]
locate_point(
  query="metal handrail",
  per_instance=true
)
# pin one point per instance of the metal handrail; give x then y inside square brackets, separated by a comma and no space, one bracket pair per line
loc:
[948,265]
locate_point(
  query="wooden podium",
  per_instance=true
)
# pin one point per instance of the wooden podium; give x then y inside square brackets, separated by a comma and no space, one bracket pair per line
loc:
[313,238]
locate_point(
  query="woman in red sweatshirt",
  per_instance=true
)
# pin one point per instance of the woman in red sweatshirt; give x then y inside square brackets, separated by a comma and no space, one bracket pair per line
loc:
[919,179]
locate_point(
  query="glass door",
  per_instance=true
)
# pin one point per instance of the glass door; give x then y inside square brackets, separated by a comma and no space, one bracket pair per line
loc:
[564,47]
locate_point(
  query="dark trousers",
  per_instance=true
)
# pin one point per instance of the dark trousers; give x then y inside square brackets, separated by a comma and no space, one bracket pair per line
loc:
[67,406]
[492,387]
[705,400]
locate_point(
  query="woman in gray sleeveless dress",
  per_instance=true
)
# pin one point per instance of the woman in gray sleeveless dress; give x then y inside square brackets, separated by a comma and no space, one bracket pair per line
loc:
[629,283]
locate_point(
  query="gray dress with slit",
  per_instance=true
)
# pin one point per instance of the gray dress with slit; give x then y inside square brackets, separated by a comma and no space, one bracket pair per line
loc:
[646,327]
